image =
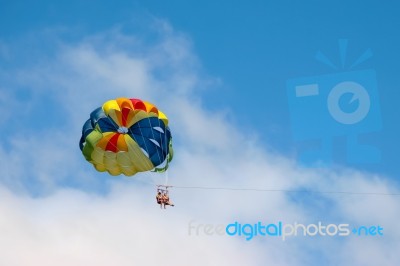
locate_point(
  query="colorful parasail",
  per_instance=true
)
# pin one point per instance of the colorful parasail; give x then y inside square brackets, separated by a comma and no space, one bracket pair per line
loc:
[127,136]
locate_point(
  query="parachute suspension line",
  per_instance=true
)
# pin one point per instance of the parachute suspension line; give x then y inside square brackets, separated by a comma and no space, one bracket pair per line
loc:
[166,177]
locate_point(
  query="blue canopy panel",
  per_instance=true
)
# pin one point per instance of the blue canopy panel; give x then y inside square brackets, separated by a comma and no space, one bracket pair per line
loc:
[153,137]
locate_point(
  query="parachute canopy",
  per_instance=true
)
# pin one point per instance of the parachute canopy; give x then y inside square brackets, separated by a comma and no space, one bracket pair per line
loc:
[127,136]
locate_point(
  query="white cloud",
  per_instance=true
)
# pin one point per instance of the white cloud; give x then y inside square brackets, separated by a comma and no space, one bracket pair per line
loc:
[64,226]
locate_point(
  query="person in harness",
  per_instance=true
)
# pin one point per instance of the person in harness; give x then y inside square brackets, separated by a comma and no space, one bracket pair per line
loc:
[159,198]
[162,198]
[166,200]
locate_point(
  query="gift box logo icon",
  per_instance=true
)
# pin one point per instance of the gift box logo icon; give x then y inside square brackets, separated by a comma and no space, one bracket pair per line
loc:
[339,105]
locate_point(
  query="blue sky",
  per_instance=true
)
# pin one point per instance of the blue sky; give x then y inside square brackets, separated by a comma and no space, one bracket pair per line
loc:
[226,75]
[252,48]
